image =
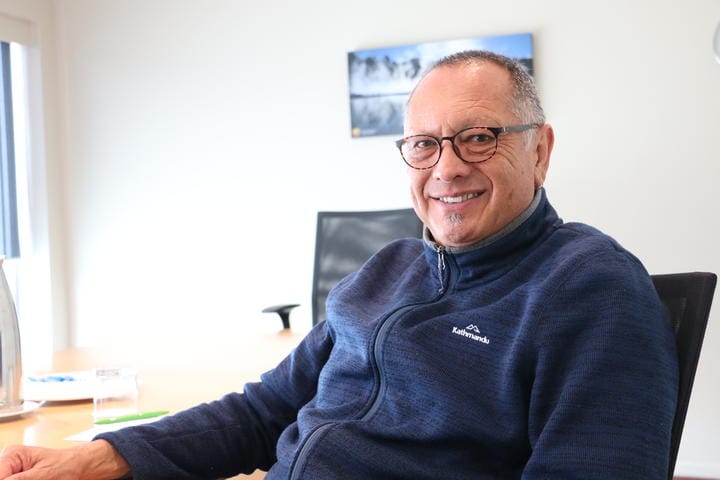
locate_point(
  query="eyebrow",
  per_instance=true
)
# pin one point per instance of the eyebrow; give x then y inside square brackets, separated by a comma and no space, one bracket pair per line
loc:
[456,127]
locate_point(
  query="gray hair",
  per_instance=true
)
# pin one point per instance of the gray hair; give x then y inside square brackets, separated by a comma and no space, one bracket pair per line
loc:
[525,102]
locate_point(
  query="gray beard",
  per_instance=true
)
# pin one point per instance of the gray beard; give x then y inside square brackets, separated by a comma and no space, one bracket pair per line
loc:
[455,218]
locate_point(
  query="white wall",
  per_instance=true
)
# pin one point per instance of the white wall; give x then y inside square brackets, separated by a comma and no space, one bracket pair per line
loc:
[185,216]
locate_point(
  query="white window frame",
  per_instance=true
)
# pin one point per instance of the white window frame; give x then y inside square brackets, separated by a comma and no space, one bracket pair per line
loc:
[38,296]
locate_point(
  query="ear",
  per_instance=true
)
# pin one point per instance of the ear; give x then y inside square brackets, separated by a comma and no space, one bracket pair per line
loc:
[543,149]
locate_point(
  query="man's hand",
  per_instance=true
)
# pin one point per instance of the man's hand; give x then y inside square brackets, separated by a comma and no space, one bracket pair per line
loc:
[96,460]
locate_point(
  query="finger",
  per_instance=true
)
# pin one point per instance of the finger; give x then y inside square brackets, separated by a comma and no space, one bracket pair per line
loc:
[19,476]
[15,459]
[5,470]
[9,464]
[10,476]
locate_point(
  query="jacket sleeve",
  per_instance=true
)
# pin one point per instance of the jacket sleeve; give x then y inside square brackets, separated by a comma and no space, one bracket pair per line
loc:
[235,434]
[603,397]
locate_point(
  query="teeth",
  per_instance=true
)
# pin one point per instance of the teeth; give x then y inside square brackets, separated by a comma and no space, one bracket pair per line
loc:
[460,198]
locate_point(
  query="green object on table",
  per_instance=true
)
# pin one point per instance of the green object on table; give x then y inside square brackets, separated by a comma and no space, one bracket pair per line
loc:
[129,418]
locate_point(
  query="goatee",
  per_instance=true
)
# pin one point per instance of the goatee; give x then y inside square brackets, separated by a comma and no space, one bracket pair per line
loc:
[455,218]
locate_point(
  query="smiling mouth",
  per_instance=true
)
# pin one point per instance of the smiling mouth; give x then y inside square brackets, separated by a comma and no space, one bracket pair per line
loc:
[459,198]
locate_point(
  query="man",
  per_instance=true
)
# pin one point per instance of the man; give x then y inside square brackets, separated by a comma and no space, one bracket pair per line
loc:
[507,344]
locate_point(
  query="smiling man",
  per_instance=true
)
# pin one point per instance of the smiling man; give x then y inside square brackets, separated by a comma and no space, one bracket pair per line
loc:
[506,344]
[460,195]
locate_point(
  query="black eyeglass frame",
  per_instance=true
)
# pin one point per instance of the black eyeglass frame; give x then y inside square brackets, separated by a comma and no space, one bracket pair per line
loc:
[495,131]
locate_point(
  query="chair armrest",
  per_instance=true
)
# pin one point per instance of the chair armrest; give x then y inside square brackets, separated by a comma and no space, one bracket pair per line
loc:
[283,311]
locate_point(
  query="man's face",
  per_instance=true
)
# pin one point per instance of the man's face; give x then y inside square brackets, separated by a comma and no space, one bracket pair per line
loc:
[462,203]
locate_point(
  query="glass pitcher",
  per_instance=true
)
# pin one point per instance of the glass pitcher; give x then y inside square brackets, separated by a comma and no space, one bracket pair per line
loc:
[10,362]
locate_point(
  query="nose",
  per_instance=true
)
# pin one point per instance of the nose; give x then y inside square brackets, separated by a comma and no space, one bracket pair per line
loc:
[449,166]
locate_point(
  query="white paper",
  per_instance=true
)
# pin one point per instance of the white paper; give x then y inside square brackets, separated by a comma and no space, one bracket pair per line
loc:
[89,434]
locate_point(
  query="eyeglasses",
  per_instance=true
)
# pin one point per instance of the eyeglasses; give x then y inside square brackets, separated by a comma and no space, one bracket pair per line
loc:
[472,145]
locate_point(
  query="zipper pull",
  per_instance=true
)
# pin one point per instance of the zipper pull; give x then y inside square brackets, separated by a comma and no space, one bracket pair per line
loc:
[441,267]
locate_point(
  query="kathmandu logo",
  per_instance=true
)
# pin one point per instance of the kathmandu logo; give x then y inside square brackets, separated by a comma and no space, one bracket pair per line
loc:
[472,332]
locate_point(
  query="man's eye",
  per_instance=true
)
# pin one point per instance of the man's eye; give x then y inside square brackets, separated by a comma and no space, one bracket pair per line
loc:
[479,138]
[423,144]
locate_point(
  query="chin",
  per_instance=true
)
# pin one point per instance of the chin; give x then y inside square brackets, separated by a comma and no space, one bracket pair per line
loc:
[455,238]
[461,233]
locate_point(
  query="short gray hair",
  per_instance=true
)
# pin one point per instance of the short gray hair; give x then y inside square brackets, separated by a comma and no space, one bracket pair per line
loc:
[525,102]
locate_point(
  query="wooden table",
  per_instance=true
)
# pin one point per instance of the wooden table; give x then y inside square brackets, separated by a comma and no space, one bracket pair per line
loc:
[170,381]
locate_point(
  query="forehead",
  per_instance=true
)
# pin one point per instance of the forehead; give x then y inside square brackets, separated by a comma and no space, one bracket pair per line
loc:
[454,97]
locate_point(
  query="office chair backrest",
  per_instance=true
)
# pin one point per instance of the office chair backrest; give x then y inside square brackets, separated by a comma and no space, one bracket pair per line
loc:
[345,240]
[687,298]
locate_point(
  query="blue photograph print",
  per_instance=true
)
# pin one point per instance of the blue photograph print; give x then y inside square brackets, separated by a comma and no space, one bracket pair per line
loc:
[381,79]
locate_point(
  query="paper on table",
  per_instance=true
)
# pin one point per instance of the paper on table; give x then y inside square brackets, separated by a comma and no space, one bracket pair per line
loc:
[89,434]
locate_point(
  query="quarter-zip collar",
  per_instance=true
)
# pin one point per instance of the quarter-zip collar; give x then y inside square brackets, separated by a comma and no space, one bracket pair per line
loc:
[491,257]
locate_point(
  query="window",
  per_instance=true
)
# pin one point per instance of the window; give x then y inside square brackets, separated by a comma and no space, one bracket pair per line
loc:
[25,96]
[9,238]
[26,277]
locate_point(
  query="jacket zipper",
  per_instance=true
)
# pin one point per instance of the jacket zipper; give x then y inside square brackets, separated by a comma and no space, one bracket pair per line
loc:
[304,450]
[441,267]
[377,353]
[315,434]
[390,320]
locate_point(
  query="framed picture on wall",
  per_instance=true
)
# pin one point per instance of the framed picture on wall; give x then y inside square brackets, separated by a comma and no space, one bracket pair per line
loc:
[381,79]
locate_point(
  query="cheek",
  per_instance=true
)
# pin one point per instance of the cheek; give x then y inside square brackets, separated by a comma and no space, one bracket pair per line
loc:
[514,173]
[417,183]
[417,188]
[413,197]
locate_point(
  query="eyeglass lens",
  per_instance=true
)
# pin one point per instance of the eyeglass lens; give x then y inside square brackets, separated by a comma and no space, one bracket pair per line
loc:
[471,145]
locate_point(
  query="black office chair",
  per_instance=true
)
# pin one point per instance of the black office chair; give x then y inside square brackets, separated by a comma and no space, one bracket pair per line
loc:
[687,298]
[343,242]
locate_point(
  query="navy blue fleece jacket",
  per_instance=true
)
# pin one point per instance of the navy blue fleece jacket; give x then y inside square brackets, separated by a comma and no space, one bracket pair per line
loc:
[541,353]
